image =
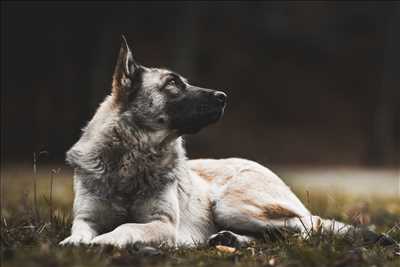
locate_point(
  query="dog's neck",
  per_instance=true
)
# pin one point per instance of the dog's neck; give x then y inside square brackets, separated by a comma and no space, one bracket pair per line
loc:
[118,159]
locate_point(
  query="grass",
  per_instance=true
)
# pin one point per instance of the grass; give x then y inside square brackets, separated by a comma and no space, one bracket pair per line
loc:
[31,228]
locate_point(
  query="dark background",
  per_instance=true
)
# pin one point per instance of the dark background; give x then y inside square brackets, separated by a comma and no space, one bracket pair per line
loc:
[308,82]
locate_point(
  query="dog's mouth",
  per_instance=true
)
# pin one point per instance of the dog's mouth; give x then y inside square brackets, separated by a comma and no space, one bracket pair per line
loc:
[201,120]
[214,114]
[191,116]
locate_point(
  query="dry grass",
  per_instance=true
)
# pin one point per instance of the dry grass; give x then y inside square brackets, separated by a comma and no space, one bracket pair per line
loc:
[29,233]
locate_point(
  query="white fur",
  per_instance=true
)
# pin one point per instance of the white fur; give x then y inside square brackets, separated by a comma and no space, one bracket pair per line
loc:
[197,208]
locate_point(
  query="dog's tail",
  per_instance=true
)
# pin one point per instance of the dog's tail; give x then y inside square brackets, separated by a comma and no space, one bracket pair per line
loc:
[320,225]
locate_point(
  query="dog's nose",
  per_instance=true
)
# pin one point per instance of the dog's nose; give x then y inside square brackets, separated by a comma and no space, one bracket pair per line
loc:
[221,97]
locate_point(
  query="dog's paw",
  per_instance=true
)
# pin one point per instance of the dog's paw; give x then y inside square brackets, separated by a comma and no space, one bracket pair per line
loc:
[225,238]
[114,238]
[75,240]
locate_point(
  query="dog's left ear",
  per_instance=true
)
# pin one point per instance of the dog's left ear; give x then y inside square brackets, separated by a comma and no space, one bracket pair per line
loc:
[125,69]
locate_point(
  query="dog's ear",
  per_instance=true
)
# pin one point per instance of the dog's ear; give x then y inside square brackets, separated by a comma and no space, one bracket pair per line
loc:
[125,69]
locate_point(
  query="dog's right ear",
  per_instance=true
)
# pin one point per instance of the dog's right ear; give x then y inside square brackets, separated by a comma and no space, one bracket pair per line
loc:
[125,69]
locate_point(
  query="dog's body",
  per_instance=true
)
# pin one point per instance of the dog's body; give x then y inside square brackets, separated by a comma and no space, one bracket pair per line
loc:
[133,182]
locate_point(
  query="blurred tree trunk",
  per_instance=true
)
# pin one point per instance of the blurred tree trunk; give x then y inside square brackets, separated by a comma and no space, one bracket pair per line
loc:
[383,138]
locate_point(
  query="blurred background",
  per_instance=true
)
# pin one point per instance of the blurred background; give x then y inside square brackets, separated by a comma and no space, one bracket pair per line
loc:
[311,85]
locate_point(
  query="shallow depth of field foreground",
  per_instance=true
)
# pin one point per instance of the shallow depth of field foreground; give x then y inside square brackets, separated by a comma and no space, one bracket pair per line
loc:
[29,233]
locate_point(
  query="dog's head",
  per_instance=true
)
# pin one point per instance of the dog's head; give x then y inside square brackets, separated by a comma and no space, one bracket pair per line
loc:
[160,100]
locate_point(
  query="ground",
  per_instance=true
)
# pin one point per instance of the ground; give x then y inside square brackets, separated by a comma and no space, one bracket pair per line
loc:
[30,232]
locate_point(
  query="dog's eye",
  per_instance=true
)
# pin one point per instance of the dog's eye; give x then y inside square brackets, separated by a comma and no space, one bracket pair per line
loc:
[171,82]
[173,85]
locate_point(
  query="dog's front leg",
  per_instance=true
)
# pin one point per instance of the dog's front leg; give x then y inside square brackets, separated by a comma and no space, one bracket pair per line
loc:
[82,232]
[89,214]
[158,222]
[130,233]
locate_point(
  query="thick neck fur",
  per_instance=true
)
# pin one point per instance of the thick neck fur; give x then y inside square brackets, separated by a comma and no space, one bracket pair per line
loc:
[116,159]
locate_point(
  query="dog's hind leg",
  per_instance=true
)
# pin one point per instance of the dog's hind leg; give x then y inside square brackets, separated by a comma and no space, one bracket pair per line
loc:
[364,234]
[254,201]
[247,220]
[252,221]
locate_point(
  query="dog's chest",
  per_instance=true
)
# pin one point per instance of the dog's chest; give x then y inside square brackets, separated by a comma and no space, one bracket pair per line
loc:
[129,183]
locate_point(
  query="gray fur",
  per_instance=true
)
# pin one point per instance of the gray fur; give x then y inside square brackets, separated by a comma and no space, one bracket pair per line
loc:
[130,163]
[116,162]
[133,182]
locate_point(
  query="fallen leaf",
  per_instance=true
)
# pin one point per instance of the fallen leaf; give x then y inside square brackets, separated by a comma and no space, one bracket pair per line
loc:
[273,261]
[225,249]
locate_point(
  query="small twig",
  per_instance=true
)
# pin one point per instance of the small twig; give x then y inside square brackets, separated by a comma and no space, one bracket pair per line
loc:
[311,219]
[397,225]
[308,197]
[305,228]
[35,162]
[35,206]
[42,228]
[52,176]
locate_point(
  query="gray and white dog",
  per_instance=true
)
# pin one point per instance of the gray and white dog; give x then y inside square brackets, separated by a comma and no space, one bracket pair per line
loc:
[133,182]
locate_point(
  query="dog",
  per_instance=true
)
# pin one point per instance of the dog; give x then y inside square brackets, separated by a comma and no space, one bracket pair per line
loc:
[133,182]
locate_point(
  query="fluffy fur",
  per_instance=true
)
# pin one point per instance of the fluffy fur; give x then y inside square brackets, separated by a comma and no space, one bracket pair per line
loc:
[133,182]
